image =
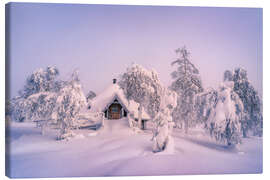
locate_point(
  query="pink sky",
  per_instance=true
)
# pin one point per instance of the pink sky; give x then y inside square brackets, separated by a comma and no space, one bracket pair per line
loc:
[102,41]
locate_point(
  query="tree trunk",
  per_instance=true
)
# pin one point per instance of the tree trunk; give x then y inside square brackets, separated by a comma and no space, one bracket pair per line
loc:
[129,120]
[186,126]
[64,129]
[244,133]
[140,116]
[42,129]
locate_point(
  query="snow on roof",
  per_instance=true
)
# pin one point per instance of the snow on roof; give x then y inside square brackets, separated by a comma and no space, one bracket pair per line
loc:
[103,100]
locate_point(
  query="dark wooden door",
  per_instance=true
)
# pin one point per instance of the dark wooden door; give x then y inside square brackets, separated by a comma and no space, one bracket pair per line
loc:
[115,111]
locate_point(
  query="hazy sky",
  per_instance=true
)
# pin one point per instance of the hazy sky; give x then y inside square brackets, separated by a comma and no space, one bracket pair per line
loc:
[101,41]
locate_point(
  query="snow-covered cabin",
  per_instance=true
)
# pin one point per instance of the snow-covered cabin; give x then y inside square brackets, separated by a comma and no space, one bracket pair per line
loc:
[113,103]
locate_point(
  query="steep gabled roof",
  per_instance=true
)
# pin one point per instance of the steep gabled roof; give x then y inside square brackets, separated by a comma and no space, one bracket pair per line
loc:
[116,97]
[107,97]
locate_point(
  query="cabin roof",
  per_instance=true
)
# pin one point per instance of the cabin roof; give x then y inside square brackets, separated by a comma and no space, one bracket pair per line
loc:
[103,100]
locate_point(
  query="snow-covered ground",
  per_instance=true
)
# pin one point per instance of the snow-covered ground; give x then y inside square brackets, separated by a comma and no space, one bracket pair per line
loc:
[117,151]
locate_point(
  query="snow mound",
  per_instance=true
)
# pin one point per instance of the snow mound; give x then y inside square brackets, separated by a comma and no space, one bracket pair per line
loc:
[92,134]
[118,126]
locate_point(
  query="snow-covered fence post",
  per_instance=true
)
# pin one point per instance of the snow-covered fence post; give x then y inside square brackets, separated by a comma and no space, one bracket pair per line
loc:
[131,119]
[140,116]
[102,119]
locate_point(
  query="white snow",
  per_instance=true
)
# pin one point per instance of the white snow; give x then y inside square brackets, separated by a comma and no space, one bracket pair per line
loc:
[101,101]
[117,150]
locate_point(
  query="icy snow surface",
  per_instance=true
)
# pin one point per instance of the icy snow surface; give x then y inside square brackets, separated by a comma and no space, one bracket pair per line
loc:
[117,151]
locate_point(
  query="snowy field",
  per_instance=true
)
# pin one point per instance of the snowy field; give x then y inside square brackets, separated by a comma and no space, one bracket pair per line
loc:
[117,151]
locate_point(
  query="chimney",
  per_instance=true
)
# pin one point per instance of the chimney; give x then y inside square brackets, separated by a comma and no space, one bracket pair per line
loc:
[114,81]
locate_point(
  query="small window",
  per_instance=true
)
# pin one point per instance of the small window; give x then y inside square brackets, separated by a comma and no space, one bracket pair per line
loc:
[114,109]
[115,100]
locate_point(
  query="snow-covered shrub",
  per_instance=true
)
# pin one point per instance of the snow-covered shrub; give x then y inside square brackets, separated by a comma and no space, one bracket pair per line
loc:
[253,119]
[186,83]
[163,123]
[161,131]
[68,104]
[224,119]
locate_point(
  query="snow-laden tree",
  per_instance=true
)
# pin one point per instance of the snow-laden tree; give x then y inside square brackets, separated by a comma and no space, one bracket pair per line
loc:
[40,107]
[58,85]
[143,87]
[37,108]
[225,118]
[69,102]
[205,103]
[252,120]
[38,85]
[41,80]
[163,123]
[186,83]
